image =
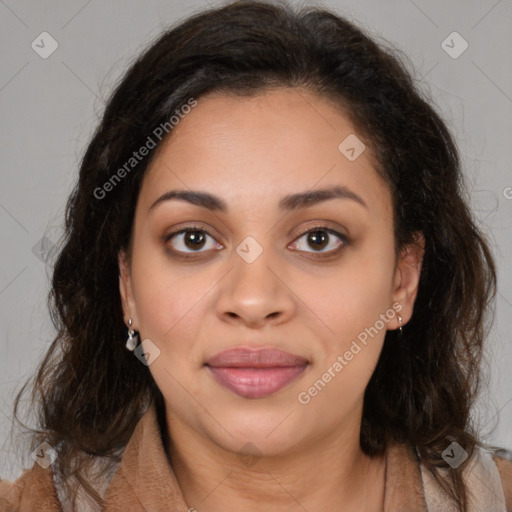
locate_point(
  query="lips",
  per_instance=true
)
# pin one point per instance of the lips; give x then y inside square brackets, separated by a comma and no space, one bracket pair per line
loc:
[255,358]
[255,373]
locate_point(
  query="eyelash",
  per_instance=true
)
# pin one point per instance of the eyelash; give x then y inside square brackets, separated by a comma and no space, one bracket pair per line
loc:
[316,254]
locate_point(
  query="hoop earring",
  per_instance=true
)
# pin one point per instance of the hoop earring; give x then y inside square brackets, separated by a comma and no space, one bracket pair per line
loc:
[131,342]
[400,328]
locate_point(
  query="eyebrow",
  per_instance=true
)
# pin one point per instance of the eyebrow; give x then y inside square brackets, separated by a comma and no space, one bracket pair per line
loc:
[289,202]
[312,197]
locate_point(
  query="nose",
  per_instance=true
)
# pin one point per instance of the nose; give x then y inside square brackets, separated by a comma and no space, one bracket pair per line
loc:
[256,294]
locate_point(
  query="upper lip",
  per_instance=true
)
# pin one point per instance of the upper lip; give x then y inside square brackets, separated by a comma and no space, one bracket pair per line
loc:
[242,357]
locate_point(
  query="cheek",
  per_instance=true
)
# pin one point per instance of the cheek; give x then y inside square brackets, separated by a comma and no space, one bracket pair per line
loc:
[351,297]
[167,296]
[170,310]
[351,305]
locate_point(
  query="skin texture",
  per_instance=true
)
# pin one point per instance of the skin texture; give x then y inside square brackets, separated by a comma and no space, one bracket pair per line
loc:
[252,151]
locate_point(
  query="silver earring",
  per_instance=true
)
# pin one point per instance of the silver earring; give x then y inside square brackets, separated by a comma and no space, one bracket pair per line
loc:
[131,342]
[400,322]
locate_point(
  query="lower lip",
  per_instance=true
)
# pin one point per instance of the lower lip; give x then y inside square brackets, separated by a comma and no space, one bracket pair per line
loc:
[255,382]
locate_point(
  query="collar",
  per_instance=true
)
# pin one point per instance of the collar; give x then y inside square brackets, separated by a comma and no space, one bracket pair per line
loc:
[145,476]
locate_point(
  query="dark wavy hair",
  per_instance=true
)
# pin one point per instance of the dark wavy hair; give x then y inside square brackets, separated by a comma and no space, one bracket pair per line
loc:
[90,392]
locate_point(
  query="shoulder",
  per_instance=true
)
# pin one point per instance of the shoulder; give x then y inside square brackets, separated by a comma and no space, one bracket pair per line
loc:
[33,490]
[487,477]
[503,460]
[11,492]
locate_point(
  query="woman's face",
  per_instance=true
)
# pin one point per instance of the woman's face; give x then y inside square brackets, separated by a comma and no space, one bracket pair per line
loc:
[243,273]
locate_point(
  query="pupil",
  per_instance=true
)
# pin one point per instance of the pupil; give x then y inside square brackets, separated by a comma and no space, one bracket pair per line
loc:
[318,239]
[194,238]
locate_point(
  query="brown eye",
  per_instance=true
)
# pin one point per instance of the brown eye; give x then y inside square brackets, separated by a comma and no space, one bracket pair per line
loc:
[319,239]
[191,240]
[194,239]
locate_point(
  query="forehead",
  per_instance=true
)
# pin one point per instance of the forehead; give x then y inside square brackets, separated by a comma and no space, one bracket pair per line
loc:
[277,142]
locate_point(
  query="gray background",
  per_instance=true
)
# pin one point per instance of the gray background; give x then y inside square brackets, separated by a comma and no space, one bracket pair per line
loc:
[49,108]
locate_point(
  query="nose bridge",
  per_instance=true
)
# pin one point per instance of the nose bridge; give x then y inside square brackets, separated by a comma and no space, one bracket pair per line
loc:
[254,292]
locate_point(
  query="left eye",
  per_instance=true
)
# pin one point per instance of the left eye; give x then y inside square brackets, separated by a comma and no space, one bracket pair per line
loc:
[320,239]
[193,239]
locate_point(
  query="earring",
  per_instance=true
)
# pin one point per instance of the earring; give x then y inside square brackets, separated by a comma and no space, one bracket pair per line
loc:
[131,342]
[400,322]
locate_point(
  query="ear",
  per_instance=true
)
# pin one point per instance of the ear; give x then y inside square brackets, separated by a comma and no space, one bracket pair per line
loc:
[126,290]
[407,277]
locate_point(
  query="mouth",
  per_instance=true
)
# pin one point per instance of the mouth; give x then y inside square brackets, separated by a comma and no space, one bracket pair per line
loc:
[255,373]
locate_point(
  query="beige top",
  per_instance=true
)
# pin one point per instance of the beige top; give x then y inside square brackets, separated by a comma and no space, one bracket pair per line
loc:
[144,481]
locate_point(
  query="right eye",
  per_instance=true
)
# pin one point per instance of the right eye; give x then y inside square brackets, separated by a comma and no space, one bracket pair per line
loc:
[191,240]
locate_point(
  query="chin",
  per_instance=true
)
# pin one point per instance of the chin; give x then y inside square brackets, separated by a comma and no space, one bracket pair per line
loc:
[265,434]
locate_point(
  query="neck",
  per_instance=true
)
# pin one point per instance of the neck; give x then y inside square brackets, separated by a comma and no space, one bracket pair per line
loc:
[324,475]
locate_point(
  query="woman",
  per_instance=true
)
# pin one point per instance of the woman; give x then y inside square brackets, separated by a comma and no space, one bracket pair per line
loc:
[272,295]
